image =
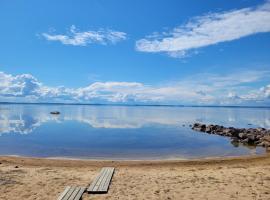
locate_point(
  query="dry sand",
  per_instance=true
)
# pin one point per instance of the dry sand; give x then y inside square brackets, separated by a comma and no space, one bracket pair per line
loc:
[233,178]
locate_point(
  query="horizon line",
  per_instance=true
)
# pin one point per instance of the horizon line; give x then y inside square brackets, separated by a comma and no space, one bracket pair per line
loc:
[122,104]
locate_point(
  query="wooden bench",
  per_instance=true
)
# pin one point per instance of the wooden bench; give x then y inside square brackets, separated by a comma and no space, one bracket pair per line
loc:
[102,181]
[72,193]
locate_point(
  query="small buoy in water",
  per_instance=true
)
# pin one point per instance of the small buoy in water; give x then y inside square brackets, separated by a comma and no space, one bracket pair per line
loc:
[55,112]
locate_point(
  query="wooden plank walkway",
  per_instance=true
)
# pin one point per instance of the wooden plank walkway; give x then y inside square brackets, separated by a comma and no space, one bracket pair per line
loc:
[102,181]
[72,193]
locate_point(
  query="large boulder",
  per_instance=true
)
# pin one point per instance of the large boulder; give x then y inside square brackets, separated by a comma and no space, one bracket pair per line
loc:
[242,135]
[251,138]
[266,138]
[264,144]
[199,127]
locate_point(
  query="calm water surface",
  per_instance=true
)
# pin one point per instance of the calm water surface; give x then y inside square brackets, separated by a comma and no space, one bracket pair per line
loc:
[122,132]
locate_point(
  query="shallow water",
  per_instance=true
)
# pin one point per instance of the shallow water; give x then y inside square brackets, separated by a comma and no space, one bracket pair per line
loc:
[122,132]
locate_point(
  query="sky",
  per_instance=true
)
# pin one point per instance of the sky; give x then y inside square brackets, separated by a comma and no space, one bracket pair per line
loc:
[179,52]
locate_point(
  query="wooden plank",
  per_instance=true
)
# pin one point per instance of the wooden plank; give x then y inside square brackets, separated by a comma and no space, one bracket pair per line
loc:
[64,193]
[91,187]
[96,182]
[74,194]
[102,182]
[80,193]
[68,194]
[104,187]
[106,184]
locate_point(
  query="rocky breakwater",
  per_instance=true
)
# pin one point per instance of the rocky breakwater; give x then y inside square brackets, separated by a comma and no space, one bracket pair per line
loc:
[248,136]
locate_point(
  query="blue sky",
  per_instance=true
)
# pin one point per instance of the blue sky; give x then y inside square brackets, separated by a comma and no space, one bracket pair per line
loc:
[149,52]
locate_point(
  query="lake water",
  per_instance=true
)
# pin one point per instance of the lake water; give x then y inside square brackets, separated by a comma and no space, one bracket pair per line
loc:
[122,132]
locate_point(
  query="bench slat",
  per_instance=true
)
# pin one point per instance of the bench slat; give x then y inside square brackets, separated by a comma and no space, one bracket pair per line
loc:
[72,193]
[64,193]
[80,193]
[106,184]
[91,187]
[102,181]
[68,194]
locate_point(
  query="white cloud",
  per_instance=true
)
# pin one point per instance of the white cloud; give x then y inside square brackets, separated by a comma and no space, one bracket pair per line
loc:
[233,88]
[208,30]
[76,38]
[257,95]
[109,91]
[21,85]
[266,91]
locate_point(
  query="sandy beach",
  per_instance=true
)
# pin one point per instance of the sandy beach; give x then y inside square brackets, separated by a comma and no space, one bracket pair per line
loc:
[224,178]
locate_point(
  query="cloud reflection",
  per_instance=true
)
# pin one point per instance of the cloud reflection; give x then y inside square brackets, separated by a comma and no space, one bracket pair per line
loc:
[25,119]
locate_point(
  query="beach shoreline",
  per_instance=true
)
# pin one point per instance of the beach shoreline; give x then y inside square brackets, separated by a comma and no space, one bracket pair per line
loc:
[66,162]
[246,177]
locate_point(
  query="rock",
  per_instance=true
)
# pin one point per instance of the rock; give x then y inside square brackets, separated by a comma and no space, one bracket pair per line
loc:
[235,132]
[248,131]
[257,142]
[203,127]
[266,138]
[242,130]
[196,125]
[260,129]
[208,129]
[258,136]
[260,144]
[55,112]
[264,144]
[212,127]
[199,127]
[251,137]
[230,132]
[219,130]
[16,166]
[242,135]
[235,141]
[245,141]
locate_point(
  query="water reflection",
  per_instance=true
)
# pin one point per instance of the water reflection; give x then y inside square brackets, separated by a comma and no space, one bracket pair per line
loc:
[121,132]
[24,119]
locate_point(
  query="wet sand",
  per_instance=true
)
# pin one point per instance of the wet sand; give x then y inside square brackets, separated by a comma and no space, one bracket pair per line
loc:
[224,178]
